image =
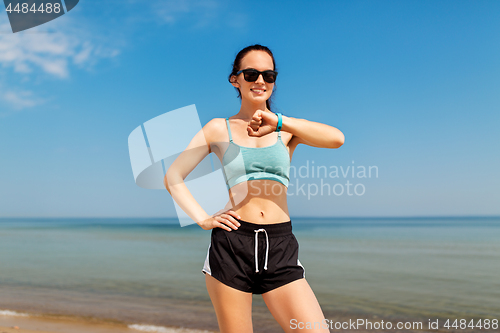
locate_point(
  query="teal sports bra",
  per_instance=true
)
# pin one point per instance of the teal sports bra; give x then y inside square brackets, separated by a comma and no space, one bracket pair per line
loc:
[242,164]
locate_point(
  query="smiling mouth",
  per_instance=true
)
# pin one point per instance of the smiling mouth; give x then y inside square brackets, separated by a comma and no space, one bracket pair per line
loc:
[258,90]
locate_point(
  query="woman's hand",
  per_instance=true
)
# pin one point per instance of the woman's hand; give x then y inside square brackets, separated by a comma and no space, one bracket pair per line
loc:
[262,123]
[225,220]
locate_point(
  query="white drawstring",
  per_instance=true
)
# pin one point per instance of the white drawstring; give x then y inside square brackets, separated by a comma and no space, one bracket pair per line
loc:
[256,245]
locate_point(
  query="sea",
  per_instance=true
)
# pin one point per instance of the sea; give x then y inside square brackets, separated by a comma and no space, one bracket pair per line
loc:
[146,272]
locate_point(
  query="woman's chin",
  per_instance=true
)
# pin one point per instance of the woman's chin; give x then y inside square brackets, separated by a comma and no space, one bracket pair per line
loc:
[258,99]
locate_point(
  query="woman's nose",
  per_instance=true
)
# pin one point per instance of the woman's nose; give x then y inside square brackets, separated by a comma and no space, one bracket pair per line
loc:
[260,79]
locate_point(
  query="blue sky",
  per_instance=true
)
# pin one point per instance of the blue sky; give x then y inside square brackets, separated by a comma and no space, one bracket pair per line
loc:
[413,85]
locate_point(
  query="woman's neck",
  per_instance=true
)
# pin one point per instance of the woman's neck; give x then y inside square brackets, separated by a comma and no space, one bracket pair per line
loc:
[248,109]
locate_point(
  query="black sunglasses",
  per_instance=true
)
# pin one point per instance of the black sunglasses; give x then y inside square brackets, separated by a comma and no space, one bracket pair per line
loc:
[251,75]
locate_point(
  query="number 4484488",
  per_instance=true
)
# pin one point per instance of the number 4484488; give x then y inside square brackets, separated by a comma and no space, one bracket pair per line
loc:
[24,8]
[462,324]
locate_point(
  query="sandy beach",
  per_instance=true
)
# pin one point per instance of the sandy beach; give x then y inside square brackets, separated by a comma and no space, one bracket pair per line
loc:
[22,323]
[91,329]
[18,322]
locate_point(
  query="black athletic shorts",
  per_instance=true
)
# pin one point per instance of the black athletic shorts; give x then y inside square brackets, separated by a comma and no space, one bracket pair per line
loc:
[255,258]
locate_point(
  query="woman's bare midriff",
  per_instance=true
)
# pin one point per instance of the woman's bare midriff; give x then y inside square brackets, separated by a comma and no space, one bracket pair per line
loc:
[260,201]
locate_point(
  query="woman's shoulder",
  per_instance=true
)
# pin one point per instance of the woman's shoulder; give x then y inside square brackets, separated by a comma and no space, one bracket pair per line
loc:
[215,124]
[214,127]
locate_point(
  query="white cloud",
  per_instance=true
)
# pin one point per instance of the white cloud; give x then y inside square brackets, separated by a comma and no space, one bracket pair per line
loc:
[50,52]
[17,100]
[201,13]
[169,11]
[21,99]
[36,51]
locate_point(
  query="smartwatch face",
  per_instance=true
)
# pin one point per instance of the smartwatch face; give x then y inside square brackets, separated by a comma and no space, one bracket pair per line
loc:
[26,14]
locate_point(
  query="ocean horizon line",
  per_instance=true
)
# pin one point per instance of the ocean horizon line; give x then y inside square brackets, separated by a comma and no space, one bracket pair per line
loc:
[291,217]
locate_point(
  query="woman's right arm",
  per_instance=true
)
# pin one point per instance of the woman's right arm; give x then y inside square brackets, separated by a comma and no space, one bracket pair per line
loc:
[196,151]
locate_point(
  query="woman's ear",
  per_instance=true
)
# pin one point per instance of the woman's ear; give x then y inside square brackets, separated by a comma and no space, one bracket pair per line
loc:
[234,82]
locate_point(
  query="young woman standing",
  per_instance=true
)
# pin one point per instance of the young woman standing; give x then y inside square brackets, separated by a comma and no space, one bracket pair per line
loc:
[253,249]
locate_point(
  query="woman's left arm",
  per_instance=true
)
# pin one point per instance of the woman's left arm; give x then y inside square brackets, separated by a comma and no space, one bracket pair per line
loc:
[312,133]
[304,131]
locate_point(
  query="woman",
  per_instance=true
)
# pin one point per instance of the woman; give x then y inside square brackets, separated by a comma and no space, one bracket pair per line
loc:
[253,249]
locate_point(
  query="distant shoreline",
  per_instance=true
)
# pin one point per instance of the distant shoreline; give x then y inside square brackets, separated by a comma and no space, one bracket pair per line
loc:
[174,219]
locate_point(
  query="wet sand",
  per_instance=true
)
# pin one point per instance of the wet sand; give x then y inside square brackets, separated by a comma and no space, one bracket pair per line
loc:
[20,323]
[62,324]
[52,311]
